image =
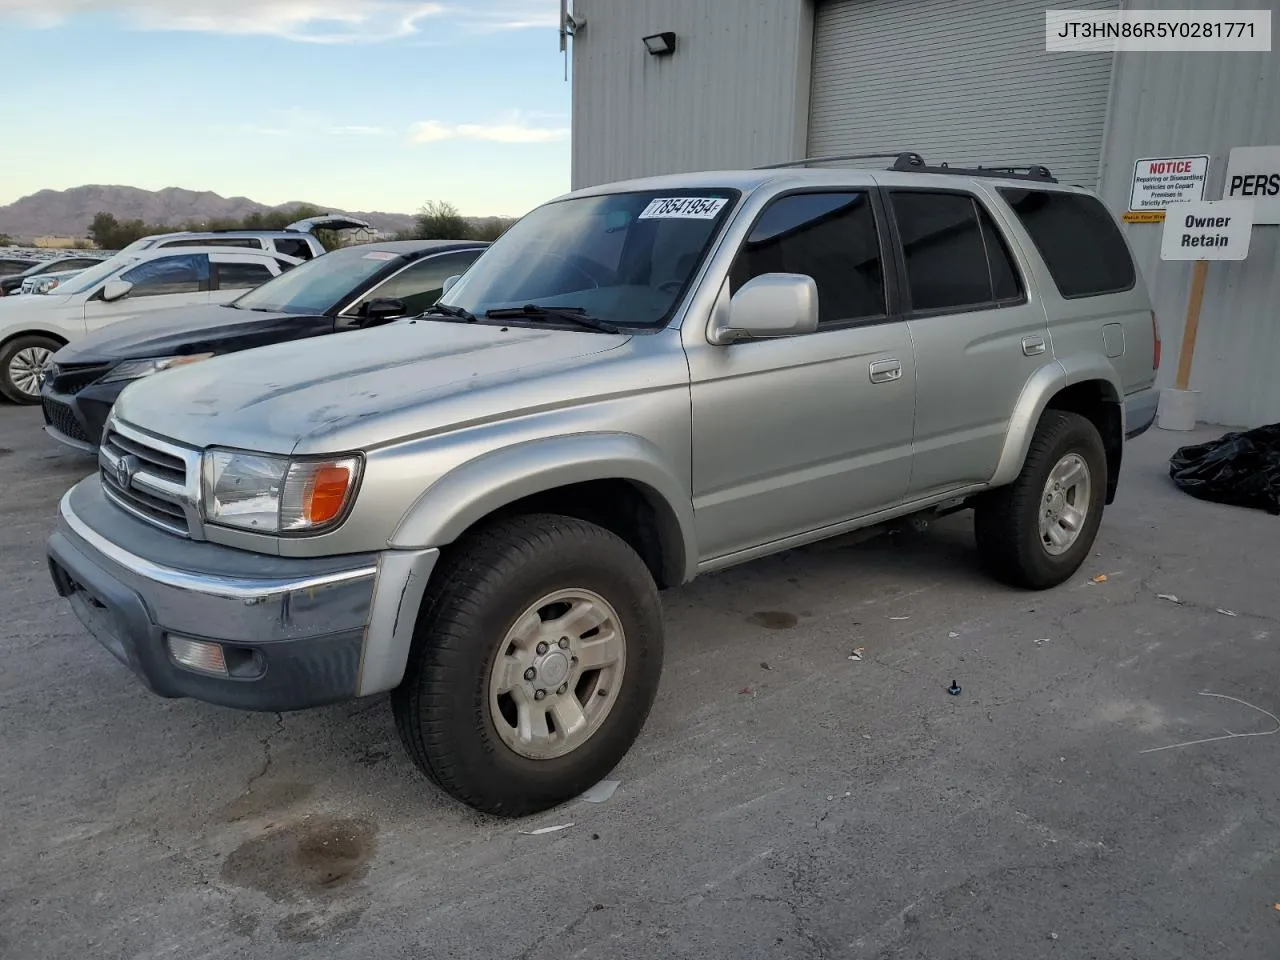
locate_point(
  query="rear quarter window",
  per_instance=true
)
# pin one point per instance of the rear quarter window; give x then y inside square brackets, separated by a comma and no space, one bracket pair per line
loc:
[1078,239]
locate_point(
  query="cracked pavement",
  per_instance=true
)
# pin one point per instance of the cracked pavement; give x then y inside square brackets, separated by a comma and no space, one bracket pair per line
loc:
[822,807]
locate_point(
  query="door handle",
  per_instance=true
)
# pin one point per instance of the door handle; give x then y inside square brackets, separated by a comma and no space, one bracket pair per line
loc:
[1033,346]
[885,371]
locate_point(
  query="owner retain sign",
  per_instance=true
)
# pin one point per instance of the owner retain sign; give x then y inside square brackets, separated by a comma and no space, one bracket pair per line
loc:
[1160,181]
[1207,230]
[1253,173]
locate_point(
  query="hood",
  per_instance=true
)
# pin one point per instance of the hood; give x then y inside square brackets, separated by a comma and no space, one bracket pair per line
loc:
[364,388]
[30,301]
[196,329]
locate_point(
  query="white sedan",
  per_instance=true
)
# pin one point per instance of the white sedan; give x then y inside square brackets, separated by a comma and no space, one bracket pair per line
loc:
[32,328]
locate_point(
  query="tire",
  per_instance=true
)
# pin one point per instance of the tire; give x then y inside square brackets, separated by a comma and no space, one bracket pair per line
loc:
[460,731]
[16,358]
[1007,522]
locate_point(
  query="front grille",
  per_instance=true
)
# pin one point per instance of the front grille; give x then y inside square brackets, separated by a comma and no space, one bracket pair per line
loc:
[72,378]
[60,416]
[148,478]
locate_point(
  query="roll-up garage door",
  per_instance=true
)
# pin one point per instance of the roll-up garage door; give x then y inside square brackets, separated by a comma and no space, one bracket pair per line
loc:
[959,82]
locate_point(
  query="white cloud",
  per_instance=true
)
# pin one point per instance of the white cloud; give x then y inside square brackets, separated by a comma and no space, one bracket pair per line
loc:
[303,21]
[496,15]
[512,128]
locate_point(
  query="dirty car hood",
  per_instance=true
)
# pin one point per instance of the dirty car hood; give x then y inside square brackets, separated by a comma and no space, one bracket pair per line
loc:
[360,389]
[194,329]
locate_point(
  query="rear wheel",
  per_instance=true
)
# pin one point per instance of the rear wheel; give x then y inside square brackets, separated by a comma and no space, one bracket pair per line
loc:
[22,361]
[534,666]
[1037,531]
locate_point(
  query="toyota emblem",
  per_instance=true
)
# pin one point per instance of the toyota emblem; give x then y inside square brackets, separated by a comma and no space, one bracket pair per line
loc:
[125,468]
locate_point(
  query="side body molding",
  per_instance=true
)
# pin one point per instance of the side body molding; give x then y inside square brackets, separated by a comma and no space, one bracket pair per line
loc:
[1039,390]
[477,488]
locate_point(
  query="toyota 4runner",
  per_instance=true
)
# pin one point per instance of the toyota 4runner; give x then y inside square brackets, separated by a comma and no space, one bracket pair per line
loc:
[639,383]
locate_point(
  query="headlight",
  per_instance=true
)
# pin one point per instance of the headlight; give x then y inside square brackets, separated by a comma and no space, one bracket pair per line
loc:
[267,494]
[135,369]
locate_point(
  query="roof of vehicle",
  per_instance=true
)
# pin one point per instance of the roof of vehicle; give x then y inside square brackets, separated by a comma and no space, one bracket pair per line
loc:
[157,237]
[800,175]
[150,253]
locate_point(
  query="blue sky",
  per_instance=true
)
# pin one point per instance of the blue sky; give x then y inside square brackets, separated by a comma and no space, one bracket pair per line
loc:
[359,104]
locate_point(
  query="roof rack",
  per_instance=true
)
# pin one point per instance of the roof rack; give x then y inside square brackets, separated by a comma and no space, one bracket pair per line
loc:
[1035,171]
[898,156]
[910,161]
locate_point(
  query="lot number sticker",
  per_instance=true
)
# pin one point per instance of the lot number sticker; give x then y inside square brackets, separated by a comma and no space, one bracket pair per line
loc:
[1210,230]
[683,208]
[1160,181]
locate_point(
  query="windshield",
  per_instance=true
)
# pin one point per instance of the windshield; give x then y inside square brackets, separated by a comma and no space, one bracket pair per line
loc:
[625,258]
[43,267]
[88,279]
[319,285]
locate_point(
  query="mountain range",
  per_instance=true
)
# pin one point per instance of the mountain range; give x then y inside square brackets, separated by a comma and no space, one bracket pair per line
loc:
[68,213]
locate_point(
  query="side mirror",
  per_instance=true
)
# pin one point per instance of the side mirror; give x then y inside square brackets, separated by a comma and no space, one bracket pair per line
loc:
[449,282]
[383,309]
[114,290]
[767,306]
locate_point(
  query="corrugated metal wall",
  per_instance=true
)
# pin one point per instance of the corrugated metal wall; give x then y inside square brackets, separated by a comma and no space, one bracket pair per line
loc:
[1173,104]
[734,94]
[964,83]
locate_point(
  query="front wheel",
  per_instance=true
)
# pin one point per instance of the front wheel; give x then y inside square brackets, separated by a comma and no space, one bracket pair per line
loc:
[534,665]
[1037,531]
[22,362]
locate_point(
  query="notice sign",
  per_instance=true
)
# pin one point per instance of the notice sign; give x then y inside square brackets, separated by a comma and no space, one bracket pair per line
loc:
[1208,230]
[1160,181]
[1253,173]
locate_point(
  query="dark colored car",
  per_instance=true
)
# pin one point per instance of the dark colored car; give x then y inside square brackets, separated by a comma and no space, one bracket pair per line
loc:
[10,285]
[10,266]
[347,289]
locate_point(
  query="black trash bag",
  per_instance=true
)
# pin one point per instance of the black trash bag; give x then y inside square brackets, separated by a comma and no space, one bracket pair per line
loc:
[1242,469]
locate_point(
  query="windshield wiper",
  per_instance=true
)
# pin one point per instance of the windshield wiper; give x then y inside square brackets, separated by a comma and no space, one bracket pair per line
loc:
[532,311]
[445,310]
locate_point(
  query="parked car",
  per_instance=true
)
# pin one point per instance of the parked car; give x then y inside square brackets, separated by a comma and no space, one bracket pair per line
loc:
[11,265]
[636,384]
[297,240]
[32,328]
[349,289]
[60,266]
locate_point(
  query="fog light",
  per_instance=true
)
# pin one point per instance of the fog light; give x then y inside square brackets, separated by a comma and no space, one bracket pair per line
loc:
[199,655]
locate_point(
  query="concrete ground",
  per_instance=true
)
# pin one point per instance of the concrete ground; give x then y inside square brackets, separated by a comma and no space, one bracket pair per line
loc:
[784,800]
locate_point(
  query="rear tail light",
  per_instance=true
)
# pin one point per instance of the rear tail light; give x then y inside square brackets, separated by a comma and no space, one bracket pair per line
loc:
[1155,336]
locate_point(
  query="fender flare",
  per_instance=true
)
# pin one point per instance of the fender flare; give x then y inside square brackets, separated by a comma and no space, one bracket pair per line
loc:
[31,330]
[477,488]
[1039,389]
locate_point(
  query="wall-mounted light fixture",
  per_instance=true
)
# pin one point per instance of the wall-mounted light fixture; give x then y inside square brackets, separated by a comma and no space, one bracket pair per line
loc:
[661,44]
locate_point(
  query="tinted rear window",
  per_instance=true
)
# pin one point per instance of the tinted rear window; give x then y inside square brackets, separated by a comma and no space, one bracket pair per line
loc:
[955,256]
[1078,239]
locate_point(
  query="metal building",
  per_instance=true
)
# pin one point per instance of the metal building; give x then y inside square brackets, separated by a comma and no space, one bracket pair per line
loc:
[741,83]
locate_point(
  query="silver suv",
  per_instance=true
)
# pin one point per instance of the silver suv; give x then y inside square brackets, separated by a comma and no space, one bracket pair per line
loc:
[639,383]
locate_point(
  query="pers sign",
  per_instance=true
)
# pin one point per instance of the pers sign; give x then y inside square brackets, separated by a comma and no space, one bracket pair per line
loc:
[1253,173]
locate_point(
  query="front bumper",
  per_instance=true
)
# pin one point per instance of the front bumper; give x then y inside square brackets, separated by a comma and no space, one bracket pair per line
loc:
[77,419]
[295,633]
